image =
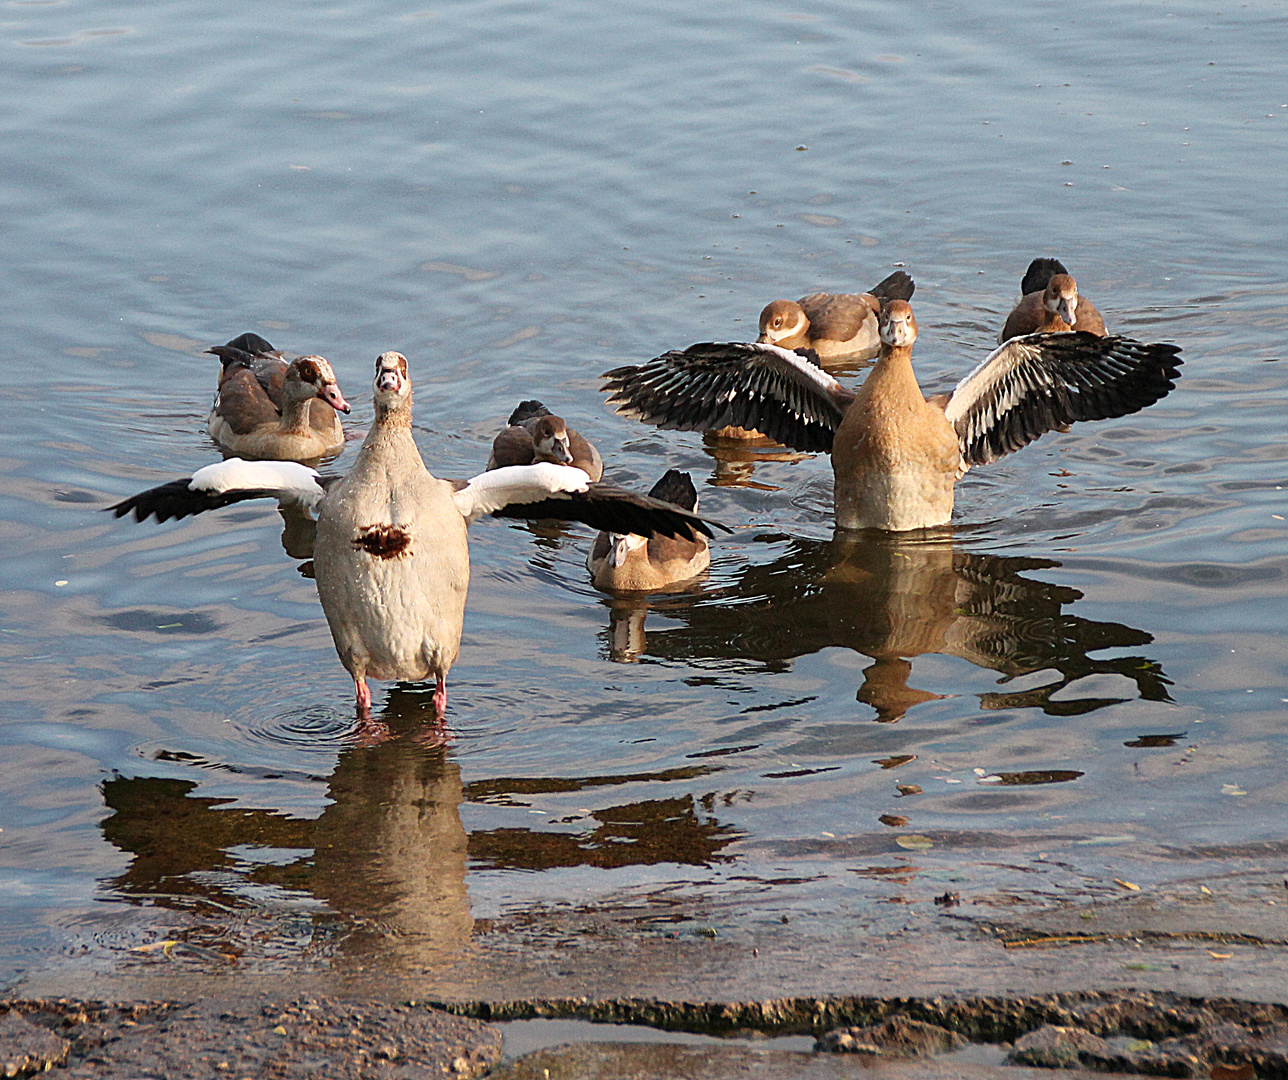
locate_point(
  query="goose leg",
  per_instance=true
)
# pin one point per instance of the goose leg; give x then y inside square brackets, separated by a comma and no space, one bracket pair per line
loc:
[363,693]
[440,695]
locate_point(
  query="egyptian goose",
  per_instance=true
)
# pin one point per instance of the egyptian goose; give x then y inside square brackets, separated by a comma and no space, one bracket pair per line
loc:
[895,454]
[1050,304]
[536,434]
[390,555]
[268,407]
[832,324]
[628,562]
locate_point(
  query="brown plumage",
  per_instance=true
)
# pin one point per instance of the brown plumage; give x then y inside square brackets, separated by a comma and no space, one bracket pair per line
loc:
[269,408]
[896,455]
[535,434]
[832,324]
[1051,304]
[628,562]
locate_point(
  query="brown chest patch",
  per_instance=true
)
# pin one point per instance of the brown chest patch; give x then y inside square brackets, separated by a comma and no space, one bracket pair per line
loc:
[383,541]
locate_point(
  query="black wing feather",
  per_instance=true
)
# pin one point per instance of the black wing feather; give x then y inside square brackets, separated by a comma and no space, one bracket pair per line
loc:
[613,509]
[716,384]
[1050,381]
[177,500]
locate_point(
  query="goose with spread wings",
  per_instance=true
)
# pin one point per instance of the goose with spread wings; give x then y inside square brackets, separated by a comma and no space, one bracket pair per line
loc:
[390,556]
[896,455]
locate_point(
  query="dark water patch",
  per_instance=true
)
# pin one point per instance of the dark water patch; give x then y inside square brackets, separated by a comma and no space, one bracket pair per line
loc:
[724,751]
[1156,741]
[1038,776]
[634,834]
[501,788]
[150,620]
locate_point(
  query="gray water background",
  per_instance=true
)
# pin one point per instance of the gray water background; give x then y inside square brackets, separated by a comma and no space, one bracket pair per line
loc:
[519,196]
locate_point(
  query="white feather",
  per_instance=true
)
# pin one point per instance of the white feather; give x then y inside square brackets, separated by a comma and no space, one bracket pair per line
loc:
[813,372]
[288,480]
[498,488]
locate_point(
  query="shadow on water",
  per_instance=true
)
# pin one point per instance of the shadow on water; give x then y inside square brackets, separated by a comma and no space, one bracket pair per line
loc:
[893,600]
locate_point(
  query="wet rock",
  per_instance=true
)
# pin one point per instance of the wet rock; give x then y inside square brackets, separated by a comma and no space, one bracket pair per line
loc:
[1055,1047]
[26,1048]
[898,1037]
[1219,1044]
[299,1039]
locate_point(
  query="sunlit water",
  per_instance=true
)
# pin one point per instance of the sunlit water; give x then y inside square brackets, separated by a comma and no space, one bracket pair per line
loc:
[1090,668]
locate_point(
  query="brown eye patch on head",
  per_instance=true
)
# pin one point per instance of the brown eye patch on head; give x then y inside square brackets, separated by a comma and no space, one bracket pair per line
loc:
[309,371]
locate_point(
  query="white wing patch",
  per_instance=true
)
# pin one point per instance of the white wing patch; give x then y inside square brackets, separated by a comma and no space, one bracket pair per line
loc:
[290,481]
[812,372]
[494,490]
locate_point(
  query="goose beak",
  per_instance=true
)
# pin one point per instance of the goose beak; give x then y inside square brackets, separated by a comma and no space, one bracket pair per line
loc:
[332,396]
[562,452]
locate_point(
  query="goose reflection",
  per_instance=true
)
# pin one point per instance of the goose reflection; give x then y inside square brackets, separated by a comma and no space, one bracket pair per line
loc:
[893,600]
[379,877]
[386,856]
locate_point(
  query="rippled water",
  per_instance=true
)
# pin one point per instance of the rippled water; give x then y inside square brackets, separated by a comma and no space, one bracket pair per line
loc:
[1089,669]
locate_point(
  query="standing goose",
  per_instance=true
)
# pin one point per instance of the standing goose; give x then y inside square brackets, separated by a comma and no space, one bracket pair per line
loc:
[1050,304]
[268,407]
[895,454]
[390,558]
[628,562]
[832,324]
[534,433]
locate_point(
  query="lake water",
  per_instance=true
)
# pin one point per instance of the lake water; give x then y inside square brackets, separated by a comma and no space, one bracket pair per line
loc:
[1086,677]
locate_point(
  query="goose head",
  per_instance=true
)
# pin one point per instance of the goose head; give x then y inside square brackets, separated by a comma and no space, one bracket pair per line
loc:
[550,440]
[622,545]
[392,386]
[781,321]
[897,325]
[1061,297]
[312,376]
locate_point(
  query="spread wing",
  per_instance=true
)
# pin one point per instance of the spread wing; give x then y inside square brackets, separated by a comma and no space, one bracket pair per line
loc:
[224,483]
[546,490]
[713,385]
[1036,383]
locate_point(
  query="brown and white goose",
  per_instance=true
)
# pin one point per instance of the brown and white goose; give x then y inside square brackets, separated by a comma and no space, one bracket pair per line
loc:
[832,324]
[534,433]
[390,557]
[1050,304]
[269,407]
[895,454]
[628,562]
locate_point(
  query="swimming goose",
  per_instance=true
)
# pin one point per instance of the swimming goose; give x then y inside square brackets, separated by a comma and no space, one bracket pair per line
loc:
[267,407]
[390,556]
[1050,304]
[895,454]
[832,324]
[536,434]
[628,562]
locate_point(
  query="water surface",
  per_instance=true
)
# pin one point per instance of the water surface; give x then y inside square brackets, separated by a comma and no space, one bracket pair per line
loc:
[1085,677]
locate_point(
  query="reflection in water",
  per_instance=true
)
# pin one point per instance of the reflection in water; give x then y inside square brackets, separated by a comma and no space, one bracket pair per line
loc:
[387,855]
[386,858]
[896,599]
[736,459]
[636,834]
